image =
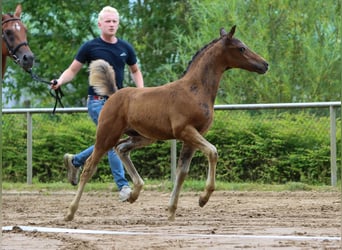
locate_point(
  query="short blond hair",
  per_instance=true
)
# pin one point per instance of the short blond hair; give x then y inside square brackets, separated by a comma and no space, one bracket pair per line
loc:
[107,9]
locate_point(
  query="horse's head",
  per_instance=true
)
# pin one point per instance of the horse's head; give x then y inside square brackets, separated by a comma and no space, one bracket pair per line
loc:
[15,40]
[240,56]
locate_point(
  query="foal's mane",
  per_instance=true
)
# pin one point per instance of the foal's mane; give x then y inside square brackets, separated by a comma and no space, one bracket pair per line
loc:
[204,48]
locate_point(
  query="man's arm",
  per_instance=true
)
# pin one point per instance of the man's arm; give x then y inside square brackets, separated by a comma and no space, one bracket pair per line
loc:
[137,75]
[68,74]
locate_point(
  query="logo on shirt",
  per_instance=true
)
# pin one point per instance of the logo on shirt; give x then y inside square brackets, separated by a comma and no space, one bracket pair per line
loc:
[123,54]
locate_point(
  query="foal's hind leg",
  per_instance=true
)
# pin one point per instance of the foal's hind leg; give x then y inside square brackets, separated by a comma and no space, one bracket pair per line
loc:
[123,149]
[184,161]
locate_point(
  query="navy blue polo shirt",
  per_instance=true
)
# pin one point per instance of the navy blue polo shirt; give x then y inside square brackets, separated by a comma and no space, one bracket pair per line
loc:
[117,55]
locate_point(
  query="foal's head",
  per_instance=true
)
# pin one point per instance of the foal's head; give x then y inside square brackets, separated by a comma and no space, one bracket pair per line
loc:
[240,56]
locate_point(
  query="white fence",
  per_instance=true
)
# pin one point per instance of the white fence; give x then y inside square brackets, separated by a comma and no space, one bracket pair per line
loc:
[331,105]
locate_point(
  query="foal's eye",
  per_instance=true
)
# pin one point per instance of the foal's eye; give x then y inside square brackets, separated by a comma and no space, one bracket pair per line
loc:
[242,49]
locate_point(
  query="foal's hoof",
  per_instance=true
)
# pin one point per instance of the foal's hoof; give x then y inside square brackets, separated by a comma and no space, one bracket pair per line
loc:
[171,217]
[172,213]
[132,199]
[202,202]
[69,217]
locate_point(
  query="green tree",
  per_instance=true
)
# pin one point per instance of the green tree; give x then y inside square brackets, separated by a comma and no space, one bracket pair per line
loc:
[56,29]
[299,38]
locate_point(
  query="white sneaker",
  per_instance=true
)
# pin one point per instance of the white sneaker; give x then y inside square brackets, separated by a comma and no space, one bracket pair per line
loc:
[124,193]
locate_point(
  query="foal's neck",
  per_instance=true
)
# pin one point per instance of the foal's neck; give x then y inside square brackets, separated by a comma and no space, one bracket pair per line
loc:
[206,70]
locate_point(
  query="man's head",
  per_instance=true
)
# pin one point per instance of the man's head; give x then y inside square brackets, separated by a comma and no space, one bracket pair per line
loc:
[108,20]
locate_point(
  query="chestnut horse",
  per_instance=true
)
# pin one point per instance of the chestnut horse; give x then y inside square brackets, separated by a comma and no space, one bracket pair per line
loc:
[14,41]
[181,110]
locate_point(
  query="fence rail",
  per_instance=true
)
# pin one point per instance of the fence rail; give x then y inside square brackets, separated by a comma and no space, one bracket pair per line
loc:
[331,105]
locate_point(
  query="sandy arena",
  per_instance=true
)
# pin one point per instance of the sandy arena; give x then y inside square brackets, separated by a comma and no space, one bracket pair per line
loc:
[230,220]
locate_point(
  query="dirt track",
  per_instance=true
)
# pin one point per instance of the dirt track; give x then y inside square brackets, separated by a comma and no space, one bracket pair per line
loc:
[230,220]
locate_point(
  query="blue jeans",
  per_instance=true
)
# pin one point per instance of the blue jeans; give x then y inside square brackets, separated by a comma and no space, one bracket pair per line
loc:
[94,109]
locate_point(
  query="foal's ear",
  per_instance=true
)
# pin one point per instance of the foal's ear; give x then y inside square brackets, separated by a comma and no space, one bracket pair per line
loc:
[231,32]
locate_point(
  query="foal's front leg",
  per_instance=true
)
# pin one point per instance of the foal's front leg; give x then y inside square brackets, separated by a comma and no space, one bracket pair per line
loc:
[87,173]
[211,152]
[193,140]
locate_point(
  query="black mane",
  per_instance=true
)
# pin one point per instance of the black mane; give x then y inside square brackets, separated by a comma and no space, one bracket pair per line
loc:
[199,52]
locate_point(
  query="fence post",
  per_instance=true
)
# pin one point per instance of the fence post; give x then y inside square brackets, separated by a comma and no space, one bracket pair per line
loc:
[29,147]
[333,146]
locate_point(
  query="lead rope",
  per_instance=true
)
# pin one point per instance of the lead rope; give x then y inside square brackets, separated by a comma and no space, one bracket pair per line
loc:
[58,92]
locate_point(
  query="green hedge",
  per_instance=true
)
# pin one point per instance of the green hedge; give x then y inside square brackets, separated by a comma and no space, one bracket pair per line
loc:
[276,147]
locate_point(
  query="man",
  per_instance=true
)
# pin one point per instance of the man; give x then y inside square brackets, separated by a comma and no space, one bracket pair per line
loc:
[117,53]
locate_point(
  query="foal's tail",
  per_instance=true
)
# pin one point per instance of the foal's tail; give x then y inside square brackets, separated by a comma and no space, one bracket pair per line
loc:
[102,77]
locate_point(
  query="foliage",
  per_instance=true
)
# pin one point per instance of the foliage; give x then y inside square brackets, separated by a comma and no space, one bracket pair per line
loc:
[276,147]
[299,38]
[57,30]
